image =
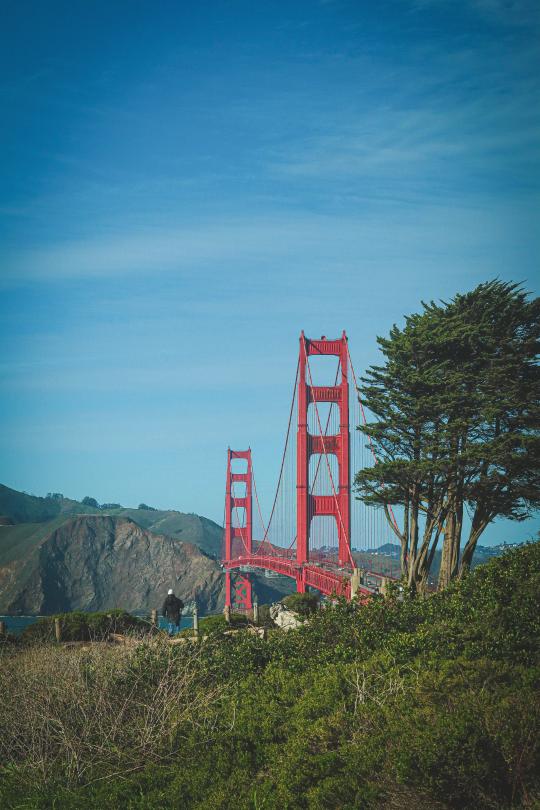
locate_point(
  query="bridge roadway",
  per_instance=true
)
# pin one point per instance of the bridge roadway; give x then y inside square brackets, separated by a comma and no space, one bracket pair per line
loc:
[328,579]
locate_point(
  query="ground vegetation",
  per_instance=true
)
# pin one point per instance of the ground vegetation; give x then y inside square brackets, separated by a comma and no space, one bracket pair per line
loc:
[398,703]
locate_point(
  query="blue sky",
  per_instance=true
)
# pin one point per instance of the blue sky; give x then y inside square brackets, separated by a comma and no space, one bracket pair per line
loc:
[185,186]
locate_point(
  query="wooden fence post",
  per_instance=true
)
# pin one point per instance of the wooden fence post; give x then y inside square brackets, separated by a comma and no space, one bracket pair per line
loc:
[58,630]
[195,621]
[3,631]
[227,613]
[154,618]
[256,611]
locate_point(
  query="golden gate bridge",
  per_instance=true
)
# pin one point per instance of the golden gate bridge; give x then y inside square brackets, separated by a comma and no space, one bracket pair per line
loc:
[316,533]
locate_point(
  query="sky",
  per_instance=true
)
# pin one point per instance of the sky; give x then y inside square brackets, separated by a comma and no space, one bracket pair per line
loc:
[186,186]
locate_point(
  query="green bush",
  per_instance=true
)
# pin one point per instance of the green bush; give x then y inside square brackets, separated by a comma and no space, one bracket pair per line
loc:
[81,626]
[216,625]
[302,603]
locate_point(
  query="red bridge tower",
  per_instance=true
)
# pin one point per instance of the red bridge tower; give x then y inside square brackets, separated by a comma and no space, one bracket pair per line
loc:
[337,503]
[238,539]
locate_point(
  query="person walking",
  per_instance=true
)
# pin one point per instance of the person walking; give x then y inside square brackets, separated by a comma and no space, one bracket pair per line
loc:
[172,610]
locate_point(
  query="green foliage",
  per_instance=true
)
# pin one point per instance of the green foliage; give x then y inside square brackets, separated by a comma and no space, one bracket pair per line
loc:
[23,508]
[216,625]
[402,702]
[302,603]
[146,507]
[81,626]
[88,501]
[457,403]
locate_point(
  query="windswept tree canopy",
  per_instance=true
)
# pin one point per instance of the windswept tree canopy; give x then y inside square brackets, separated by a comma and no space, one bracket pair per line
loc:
[457,407]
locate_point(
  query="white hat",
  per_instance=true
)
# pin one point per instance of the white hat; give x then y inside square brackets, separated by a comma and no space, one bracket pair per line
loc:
[170,591]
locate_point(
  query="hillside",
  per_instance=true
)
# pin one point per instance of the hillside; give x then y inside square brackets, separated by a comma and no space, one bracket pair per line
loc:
[24,508]
[31,527]
[189,528]
[96,562]
[420,704]
[60,554]
[20,507]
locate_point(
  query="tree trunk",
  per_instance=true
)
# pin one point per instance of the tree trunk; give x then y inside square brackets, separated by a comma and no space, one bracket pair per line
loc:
[424,558]
[413,545]
[405,543]
[454,520]
[479,523]
[423,585]
[447,549]
[402,537]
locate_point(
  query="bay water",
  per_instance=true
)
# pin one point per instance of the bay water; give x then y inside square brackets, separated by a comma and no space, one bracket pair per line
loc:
[16,624]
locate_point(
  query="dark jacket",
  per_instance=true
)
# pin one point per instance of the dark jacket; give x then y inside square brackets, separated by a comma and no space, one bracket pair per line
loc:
[172,608]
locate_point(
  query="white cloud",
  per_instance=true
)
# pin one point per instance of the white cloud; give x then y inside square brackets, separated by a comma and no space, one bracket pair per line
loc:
[254,248]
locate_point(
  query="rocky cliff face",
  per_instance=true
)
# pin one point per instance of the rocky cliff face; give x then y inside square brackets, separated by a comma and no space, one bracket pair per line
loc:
[98,562]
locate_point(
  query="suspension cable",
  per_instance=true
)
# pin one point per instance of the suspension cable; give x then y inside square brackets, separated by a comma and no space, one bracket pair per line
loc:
[242,530]
[371,447]
[325,430]
[282,457]
[257,497]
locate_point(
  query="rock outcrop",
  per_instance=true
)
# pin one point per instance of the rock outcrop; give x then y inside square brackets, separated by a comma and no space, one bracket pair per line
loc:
[98,562]
[284,618]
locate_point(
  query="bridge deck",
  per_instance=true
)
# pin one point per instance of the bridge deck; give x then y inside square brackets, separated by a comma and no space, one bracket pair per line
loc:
[328,580]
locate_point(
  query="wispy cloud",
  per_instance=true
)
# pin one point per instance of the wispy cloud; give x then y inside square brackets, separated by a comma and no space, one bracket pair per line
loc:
[238,254]
[179,249]
[455,117]
[507,12]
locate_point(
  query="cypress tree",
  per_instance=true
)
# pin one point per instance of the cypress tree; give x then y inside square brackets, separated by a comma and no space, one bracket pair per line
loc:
[457,407]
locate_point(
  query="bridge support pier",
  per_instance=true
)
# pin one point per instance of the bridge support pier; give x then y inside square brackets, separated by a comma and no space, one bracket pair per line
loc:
[238,593]
[356,581]
[228,590]
[300,581]
[243,592]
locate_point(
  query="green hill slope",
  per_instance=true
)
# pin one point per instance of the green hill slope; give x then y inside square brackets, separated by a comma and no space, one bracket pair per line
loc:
[189,528]
[421,704]
[24,508]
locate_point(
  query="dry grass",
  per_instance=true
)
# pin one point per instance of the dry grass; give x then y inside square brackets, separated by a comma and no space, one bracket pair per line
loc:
[99,711]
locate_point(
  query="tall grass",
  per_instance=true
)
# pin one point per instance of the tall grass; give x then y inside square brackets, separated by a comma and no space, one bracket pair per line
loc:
[80,714]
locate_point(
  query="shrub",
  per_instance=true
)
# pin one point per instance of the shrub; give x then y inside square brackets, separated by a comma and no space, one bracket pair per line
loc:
[80,626]
[302,603]
[216,625]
